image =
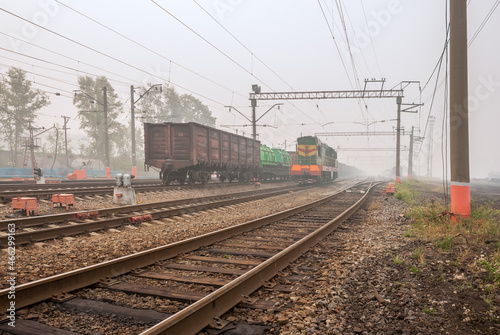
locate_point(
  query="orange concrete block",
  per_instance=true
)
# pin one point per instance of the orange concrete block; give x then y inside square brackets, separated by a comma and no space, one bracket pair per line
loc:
[66,199]
[80,174]
[30,205]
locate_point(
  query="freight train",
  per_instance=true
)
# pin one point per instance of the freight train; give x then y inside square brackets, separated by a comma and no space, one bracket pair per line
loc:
[191,152]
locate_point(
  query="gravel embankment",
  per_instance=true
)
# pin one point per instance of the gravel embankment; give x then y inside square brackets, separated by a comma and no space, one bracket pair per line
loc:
[49,258]
[362,288]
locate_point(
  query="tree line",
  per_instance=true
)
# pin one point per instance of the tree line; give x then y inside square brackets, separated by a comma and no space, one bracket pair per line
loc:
[20,102]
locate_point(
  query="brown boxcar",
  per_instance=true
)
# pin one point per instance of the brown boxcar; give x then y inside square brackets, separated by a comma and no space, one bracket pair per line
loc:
[193,152]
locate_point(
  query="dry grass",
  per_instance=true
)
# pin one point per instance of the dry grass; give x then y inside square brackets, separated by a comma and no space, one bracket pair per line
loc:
[375,206]
[463,237]
[433,223]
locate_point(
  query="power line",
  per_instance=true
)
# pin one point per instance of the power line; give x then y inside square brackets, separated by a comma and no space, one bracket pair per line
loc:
[370,35]
[440,60]
[486,19]
[34,83]
[104,54]
[241,43]
[444,128]
[56,64]
[253,55]
[145,47]
[342,20]
[210,43]
[67,67]
[335,41]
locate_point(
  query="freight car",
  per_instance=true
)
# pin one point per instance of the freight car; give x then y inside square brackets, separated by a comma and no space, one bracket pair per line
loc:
[315,161]
[274,164]
[193,152]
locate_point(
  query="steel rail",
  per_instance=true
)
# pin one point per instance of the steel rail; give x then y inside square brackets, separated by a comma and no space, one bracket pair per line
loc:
[43,289]
[107,223]
[84,190]
[196,316]
[34,221]
[90,190]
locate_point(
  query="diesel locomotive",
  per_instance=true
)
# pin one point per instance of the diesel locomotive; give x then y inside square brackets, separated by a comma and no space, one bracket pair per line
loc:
[314,162]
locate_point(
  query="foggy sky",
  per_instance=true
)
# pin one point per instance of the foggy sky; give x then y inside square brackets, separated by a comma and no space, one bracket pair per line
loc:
[281,46]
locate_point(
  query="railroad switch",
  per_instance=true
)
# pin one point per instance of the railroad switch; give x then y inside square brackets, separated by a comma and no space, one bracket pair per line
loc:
[28,205]
[66,199]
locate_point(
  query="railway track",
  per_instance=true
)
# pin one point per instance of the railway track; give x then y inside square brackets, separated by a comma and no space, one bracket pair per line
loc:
[66,224]
[91,188]
[195,280]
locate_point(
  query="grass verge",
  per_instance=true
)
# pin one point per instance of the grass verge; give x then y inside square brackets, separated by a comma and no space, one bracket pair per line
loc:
[467,239]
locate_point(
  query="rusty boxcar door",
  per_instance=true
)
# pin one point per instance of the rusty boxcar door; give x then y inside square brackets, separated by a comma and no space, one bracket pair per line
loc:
[243,159]
[225,150]
[234,150]
[215,147]
[200,144]
[180,141]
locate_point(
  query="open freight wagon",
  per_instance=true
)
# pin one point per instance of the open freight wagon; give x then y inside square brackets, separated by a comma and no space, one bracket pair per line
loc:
[192,152]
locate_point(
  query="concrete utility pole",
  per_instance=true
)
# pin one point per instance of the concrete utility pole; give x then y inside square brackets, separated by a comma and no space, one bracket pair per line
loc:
[256,89]
[459,118]
[66,119]
[432,120]
[398,140]
[254,121]
[106,130]
[132,128]
[410,157]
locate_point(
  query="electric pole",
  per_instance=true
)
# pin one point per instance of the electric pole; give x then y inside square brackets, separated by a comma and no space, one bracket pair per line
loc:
[66,119]
[256,89]
[398,139]
[106,130]
[132,128]
[459,118]
[432,120]
[410,157]
[254,122]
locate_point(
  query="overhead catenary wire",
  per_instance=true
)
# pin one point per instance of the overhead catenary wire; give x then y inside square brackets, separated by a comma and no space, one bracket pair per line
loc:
[68,67]
[438,64]
[49,86]
[147,48]
[210,43]
[371,39]
[335,42]
[253,55]
[107,56]
[486,19]
[444,126]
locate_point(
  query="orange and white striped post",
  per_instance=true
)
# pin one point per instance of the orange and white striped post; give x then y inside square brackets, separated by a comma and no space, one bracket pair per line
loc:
[459,111]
